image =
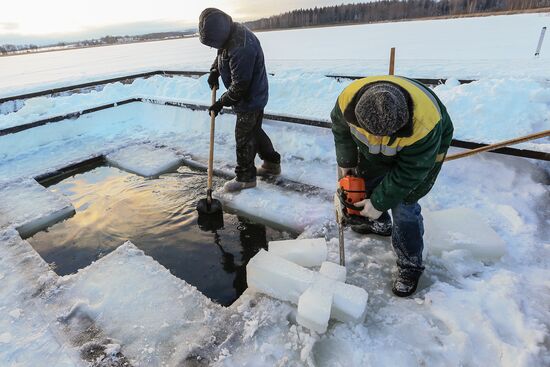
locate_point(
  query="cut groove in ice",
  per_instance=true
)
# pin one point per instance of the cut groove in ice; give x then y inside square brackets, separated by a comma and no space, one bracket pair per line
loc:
[462,229]
[30,208]
[305,252]
[145,160]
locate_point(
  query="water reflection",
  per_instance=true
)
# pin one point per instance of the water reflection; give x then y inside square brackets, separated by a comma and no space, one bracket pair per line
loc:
[159,217]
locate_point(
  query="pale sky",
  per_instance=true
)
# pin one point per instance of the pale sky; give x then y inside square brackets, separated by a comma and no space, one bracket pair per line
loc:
[40,21]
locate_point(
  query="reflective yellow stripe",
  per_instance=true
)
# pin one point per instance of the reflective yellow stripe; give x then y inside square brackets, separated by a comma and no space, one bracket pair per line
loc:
[375,147]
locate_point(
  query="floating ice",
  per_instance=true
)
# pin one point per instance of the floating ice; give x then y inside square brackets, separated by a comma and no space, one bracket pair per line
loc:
[333,271]
[145,160]
[305,252]
[30,207]
[157,318]
[462,229]
[279,208]
[279,278]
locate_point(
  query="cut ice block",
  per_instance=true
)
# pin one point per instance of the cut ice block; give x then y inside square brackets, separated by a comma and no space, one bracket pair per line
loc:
[305,252]
[30,208]
[145,160]
[157,318]
[314,307]
[279,278]
[333,271]
[279,208]
[462,229]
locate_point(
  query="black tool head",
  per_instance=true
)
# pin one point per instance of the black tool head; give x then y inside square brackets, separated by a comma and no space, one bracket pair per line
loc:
[210,214]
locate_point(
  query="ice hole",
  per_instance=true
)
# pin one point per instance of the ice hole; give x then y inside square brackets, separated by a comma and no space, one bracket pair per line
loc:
[159,216]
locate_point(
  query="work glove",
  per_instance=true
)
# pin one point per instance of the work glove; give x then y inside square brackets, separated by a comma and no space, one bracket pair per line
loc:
[213,79]
[343,172]
[368,210]
[215,108]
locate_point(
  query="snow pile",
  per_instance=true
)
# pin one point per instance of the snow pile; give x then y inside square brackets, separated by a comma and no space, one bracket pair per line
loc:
[30,207]
[145,160]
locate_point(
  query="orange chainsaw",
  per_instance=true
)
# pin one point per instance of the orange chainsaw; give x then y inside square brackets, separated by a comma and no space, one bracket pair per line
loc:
[351,189]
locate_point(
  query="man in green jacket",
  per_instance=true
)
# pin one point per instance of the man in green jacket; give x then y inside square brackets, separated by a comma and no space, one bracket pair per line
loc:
[394,132]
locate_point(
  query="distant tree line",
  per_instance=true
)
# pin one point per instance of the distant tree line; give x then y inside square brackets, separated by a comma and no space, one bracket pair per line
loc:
[387,10]
[8,49]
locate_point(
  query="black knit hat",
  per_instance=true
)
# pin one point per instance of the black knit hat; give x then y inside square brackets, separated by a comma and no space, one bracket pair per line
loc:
[382,109]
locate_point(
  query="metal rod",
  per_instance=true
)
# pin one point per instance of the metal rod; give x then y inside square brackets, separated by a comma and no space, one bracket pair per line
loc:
[541,39]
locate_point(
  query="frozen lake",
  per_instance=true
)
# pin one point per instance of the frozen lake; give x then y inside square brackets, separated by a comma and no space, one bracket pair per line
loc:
[466,47]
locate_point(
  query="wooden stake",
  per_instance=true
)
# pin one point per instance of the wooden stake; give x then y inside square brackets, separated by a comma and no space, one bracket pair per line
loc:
[392,61]
[503,144]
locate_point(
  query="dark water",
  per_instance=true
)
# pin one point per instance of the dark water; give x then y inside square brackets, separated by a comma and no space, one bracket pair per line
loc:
[159,216]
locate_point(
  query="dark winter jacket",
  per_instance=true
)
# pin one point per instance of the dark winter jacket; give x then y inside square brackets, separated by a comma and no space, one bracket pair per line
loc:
[409,160]
[240,60]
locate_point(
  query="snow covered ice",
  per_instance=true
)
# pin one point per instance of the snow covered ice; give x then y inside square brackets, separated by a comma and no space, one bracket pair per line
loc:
[30,207]
[462,229]
[145,160]
[482,300]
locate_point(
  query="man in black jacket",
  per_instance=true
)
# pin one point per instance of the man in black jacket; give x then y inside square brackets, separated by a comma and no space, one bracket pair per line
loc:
[240,62]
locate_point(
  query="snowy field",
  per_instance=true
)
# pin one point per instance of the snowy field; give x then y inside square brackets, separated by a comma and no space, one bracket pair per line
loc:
[471,310]
[497,46]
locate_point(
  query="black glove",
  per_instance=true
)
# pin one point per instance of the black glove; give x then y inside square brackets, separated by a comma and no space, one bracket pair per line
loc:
[213,79]
[216,108]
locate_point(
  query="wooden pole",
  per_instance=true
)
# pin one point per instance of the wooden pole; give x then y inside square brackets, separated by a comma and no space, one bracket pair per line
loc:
[392,61]
[503,144]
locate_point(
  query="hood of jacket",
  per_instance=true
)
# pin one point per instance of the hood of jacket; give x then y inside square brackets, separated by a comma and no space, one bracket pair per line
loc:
[214,27]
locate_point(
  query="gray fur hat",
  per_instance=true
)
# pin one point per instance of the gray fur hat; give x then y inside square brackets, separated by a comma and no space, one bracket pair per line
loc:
[382,109]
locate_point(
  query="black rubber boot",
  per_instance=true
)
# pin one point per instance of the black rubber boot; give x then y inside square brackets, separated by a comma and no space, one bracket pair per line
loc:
[381,227]
[406,282]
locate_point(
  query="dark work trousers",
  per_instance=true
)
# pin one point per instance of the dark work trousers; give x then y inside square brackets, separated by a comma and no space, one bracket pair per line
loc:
[251,139]
[407,231]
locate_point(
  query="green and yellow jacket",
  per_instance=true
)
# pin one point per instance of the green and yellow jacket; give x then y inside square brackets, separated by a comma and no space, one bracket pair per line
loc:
[409,160]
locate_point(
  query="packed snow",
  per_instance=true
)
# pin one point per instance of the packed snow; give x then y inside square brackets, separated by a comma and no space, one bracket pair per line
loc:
[483,299]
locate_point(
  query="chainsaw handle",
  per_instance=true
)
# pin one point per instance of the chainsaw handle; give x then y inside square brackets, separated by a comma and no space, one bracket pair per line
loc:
[342,197]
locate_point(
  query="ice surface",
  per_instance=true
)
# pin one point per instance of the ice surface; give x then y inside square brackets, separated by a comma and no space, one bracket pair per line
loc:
[30,207]
[279,278]
[278,207]
[333,271]
[157,318]
[28,336]
[314,306]
[462,229]
[306,252]
[145,160]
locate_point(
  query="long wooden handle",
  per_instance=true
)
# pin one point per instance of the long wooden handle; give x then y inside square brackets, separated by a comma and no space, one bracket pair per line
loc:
[212,130]
[503,144]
